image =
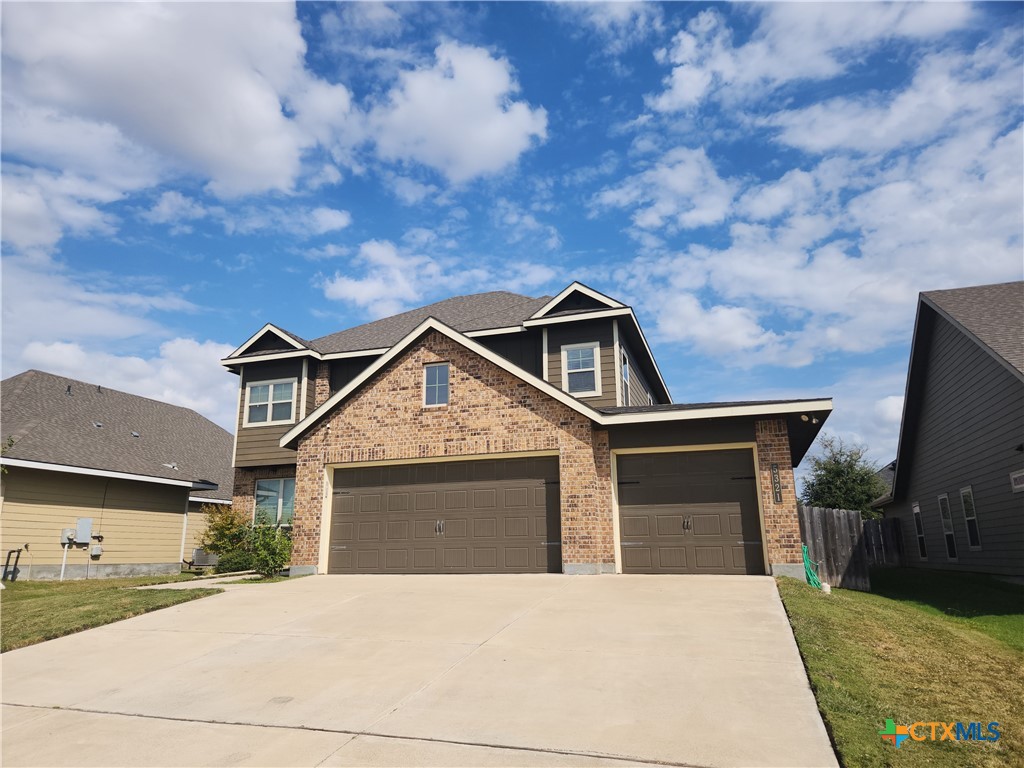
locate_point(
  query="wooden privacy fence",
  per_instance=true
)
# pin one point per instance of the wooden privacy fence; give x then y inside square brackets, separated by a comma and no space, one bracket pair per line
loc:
[835,541]
[883,540]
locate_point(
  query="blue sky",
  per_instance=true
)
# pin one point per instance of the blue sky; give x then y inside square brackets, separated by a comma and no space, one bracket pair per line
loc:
[769,186]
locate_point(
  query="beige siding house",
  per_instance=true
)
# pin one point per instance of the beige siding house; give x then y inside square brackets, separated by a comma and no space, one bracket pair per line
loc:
[130,475]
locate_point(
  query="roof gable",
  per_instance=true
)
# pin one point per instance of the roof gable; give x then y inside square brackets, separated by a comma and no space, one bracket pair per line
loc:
[577,297]
[270,338]
[61,421]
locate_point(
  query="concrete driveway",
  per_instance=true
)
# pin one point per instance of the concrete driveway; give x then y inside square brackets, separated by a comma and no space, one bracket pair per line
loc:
[531,670]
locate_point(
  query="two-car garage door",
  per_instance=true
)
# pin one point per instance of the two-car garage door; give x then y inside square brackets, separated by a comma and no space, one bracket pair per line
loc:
[689,512]
[487,516]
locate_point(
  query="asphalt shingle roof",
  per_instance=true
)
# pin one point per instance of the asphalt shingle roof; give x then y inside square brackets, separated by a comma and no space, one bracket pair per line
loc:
[476,312]
[50,425]
[993,313]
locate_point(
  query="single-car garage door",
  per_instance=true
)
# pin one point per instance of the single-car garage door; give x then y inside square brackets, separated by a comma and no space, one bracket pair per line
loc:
[689,512]
[485,516]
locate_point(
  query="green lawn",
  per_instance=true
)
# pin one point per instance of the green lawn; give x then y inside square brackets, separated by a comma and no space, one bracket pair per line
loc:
[927,646]
[34,611]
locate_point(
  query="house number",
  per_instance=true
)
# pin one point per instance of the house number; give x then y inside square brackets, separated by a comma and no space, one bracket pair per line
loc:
[776,484]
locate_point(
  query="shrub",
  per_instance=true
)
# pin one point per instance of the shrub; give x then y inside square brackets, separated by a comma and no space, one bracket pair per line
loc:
[270,549]
[226,529]
[235,560]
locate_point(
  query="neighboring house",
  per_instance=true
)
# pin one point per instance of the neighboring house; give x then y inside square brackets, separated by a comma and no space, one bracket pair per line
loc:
[958,488]
[503,433]
[136,469]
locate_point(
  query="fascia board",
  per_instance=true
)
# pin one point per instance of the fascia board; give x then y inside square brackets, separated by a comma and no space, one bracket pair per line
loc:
[581,288]
[255,337]
[197,485]
[590,315]
[720,412]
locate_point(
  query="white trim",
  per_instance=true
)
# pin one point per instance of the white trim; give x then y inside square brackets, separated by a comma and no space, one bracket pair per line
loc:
[616,452]
[576,287]
[585,315]
[969,490]
[280,499]
[496,331]
[260,333]
[618,364]
[238,421]
[544,354]
[354,353]
[326,510]
[592,345]
[305,385]
[204,500]
[235,361]
[440,459]
[432,324]
[270,422]
[423,393]
[196,485]
[712,411]
[650,356]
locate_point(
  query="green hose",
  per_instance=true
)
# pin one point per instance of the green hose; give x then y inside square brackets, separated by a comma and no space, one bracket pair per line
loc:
[810,570]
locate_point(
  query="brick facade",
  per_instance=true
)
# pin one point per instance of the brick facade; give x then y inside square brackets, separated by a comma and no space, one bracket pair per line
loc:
[322,384]
[781,524]
[490,411]
[244,494]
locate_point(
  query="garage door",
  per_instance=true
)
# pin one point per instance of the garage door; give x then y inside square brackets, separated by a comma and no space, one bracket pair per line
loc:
[493,516]
[689,512]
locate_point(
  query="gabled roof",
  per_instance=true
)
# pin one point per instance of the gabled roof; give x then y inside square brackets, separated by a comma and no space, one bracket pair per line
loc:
[287,341]
[53,420]
[805,417]
[478,311]
[991,316]
[598,298]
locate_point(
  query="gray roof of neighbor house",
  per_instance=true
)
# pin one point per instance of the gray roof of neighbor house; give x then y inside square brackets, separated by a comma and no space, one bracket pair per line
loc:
[476,312]
[993,314]
[53,419]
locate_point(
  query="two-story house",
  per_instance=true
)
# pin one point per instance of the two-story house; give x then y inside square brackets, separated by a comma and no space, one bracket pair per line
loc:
[502,433]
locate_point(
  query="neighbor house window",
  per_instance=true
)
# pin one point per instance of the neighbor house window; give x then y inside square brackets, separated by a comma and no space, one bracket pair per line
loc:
[922,550]
[970,517]
[270,402]
[435,384]
[947,526]
[625,380]
[581,364]
[275,502]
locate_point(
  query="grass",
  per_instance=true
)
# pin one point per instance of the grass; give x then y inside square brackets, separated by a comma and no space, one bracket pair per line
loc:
[34,611]
[926,647]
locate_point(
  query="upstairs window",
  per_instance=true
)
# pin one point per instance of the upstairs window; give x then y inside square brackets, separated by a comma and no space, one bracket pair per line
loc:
[581,364]
[970,517]
[947,527]
[275,502]
[270,402]
[625,379]
[435,384]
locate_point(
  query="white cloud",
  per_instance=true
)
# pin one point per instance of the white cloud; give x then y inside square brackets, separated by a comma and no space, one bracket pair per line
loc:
[457,116]
[682,190]
[185,372]
[792,41]
[522,225]
[391,279]
[618,25]
[410,191]
[173,208]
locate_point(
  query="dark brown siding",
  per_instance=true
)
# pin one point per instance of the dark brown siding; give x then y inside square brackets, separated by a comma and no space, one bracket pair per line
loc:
[347,368]
[579,333]
[258,446]
[669,433]
[523,349]
[268,343]
[638,387]
[970,423]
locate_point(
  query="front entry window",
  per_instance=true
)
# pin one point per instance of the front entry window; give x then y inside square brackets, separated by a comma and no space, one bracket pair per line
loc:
[275,502]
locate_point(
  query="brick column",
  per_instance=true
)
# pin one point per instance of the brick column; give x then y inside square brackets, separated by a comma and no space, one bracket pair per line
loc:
[781,524]
[588,543]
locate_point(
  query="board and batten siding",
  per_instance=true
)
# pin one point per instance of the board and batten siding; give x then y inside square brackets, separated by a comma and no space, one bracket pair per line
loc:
[582,332]
[522,348]
[141,523]
[259,446]
[969,427]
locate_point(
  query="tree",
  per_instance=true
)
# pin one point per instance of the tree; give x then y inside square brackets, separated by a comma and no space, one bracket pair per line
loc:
[226,529]
[841,478]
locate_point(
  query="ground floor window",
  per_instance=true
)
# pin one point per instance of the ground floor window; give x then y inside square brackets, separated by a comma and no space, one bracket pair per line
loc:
[275,502]
[947,527]
[922,550]
[970,517]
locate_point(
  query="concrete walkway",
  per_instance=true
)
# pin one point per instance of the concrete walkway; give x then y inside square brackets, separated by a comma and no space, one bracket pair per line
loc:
[428,671]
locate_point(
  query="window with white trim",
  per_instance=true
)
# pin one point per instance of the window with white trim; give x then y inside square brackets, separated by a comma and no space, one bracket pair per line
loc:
[435,384]
[270,402]
[970,517]
[947,527]
[625,379]
[922,550]
[275,502]
[581,368]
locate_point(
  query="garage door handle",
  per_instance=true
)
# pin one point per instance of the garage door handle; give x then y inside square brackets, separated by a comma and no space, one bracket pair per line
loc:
[552,543]
[442,527]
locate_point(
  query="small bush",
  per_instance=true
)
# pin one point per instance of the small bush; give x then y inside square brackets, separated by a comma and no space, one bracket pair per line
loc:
[270,549]
[236,560]
[226,529]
